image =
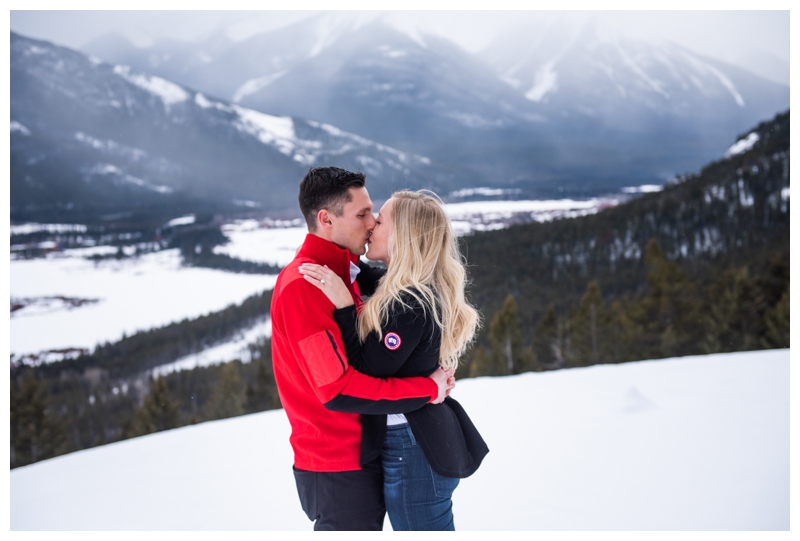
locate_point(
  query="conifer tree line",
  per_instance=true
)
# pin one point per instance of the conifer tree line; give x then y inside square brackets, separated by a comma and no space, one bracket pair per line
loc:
[673,316]
[54,416]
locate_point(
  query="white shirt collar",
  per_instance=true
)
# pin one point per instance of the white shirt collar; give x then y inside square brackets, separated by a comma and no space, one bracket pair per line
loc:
[354,270]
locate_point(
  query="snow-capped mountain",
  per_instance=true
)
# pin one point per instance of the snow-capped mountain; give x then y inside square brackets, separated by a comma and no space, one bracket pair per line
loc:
[587,68]
[236,68]
[562,105]
[92,136]
[382,80]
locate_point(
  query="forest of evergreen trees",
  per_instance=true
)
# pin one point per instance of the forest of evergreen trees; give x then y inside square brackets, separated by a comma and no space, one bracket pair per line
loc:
[730,220]
[701,267]
[673,316]
[69,411]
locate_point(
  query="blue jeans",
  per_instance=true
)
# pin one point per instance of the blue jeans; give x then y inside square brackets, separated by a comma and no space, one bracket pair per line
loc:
[417,498]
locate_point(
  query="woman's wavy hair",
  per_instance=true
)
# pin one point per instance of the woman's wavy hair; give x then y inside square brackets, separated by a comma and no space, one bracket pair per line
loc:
[425,263]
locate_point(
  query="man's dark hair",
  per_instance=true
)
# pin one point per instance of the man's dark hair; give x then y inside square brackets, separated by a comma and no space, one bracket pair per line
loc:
[326,188]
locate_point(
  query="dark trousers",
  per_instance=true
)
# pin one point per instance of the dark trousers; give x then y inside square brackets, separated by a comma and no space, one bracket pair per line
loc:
[343,501]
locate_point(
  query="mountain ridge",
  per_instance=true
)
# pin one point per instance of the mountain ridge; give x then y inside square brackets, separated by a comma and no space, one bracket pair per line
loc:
[92,137]
[670,111]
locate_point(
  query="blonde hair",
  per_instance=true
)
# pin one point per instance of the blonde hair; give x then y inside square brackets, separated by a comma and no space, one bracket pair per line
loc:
[425,263]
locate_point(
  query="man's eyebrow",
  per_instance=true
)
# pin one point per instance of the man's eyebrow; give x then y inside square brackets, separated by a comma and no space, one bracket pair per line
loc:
[365,209]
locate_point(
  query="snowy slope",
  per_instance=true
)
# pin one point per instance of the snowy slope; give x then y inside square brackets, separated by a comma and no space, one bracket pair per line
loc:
[591,69]
[695,443]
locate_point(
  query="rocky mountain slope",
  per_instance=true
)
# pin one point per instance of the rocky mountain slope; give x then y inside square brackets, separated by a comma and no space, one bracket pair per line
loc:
[564,106]
[91,138]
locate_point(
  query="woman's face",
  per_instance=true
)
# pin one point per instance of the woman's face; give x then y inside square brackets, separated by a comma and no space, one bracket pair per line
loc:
[379,241]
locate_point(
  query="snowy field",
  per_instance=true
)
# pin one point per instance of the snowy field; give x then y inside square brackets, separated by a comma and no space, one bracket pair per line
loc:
[251,242]
[132,295]
[695,443]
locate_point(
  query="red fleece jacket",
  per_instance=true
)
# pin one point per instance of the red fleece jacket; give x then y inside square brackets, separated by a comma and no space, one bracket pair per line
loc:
[323,395]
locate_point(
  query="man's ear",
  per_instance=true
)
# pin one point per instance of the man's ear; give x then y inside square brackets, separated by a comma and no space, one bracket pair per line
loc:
[324,219]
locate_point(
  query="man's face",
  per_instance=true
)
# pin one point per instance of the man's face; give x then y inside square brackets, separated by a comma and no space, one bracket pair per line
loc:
[352,229]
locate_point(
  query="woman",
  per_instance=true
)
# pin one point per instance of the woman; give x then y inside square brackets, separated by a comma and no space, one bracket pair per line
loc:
[415,320]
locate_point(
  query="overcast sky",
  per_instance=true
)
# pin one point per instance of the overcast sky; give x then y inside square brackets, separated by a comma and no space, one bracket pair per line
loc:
[731,36]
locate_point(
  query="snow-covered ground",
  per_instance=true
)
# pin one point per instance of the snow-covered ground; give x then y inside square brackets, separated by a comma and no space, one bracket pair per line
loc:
[695,443]
[134,294]
[252,242]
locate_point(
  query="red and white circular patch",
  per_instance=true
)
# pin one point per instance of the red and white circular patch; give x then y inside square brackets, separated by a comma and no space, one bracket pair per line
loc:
[392,341]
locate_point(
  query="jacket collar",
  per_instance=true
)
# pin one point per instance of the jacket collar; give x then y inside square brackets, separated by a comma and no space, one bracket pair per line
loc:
[324,252]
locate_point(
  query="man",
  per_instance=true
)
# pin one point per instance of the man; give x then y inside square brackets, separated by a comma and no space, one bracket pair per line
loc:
[339,481]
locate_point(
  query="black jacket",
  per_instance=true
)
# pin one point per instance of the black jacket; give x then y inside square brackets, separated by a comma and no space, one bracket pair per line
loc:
[410,347]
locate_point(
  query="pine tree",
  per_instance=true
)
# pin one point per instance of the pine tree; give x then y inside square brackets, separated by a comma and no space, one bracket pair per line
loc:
[480,363]
[227,400]
[731,321]
[775,286]
[159,411]
[548,342]
[777,322]
[623,333]
[589,328]
[668,316]
[261,395]
[35,435]
[508,353]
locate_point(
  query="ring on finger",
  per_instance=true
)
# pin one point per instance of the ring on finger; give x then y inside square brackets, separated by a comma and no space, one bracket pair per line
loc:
[322,280]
